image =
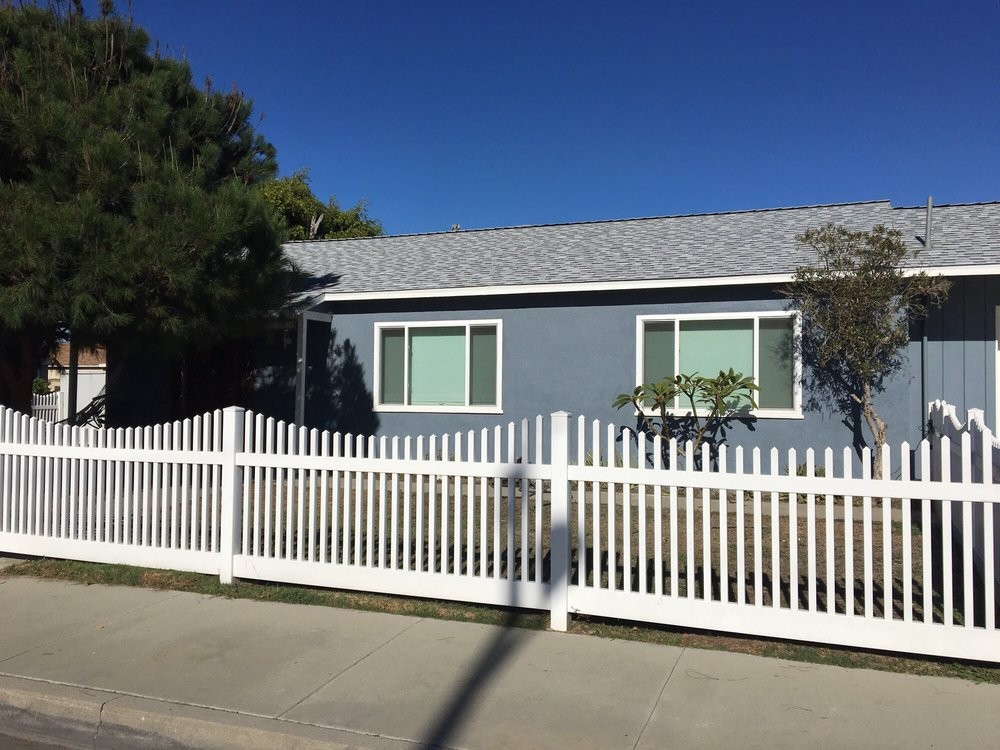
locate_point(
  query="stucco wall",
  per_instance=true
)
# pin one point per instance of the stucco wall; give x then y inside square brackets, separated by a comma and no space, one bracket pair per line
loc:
[576,353]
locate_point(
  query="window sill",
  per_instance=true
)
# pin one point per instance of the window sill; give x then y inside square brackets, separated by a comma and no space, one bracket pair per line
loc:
[754,414]
[436,409]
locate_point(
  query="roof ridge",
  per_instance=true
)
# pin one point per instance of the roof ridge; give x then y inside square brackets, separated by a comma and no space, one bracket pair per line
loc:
[923,207]
[596,221]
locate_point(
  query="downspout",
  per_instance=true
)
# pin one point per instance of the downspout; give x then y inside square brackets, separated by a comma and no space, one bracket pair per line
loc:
[923,379]
[923,333]
[302,331]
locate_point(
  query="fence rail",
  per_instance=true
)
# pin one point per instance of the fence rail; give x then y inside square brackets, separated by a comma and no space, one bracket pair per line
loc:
[557,514]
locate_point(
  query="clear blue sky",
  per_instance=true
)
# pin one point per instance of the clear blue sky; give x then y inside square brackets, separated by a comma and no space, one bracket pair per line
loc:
[502,113]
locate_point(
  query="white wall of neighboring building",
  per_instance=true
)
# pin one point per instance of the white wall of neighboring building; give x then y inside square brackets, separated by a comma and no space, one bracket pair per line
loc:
[89,384]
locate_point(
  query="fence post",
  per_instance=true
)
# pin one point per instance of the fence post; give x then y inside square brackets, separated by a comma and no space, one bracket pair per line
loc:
[560,532]
[231,520]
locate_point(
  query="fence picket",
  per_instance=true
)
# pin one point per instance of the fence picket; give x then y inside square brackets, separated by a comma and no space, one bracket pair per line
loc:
[906,474]
[422,559]
[537,531]
[394,484]
[456,511]
[689,561]
[811,580]
[641,563]
[775,538]
[674,543]
[595,507]
[926,527]
[793,536]
[946,526]
[887,587]
[431,512]
[382,500]
[741,532]
[706,525]
[626,517]
[967,532]
[989,529]
[723,531]
[510,504]
[470,510]
[497,501]
[484,487]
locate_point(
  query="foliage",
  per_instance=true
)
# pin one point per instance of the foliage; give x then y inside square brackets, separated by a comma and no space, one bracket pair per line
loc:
[127,204]
[308,218]
[722,395]
[857,304]
[40,386]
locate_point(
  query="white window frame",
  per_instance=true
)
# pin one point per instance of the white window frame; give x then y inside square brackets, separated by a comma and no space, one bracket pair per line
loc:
[406,325]
[794,413]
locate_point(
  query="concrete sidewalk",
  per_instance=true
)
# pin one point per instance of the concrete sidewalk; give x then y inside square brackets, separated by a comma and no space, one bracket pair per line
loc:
[111,667]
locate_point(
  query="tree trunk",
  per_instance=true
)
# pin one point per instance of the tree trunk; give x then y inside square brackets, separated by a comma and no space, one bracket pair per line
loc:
[880,430]
[19,360]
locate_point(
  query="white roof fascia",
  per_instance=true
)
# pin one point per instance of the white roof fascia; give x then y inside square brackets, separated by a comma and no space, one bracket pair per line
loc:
[584,286]
[984,269]
[612,286]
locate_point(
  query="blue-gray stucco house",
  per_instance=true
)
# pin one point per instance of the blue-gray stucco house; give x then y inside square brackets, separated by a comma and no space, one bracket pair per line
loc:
[452,331]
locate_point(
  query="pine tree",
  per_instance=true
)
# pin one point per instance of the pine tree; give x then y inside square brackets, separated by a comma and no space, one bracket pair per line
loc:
[129,213]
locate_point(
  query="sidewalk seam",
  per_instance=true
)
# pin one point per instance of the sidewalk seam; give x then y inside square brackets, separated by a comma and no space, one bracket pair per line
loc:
[659,697]
[348,668]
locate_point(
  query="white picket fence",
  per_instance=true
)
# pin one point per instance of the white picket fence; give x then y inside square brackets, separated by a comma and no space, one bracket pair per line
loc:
[45,406]
[558,514]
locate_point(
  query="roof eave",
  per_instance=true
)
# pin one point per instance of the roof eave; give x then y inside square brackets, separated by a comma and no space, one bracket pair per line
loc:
[991,269]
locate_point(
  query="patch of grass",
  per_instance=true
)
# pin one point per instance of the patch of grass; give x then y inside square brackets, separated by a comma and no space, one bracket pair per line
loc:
[789,650]
[124,575]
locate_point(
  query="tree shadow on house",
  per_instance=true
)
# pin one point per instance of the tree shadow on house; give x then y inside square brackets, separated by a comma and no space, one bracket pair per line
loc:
[828,387]
[337,394]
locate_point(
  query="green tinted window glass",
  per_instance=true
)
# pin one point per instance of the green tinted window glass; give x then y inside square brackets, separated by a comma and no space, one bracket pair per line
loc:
[437,366]
[777,372]
[658,351]
[708,346]
[393,358]
[483,390]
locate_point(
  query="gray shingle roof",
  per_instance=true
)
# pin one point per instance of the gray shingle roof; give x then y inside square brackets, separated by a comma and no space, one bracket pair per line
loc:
[745,243]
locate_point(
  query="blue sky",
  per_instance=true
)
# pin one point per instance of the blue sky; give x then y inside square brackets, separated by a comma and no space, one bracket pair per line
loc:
[495,114]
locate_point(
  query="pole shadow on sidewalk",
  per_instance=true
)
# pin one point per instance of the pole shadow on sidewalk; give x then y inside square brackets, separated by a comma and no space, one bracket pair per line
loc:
[474,684]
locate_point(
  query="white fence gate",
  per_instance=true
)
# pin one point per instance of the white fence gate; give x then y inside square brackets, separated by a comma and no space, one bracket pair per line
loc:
[45,406]
[800,546]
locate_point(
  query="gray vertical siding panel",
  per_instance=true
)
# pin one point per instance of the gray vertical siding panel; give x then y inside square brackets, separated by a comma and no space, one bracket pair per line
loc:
[962,345]
[952,345]
[974,339]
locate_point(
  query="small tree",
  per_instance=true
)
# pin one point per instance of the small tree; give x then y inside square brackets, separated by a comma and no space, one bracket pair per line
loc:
[856,306]
[722,396]
[308,218]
